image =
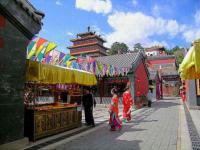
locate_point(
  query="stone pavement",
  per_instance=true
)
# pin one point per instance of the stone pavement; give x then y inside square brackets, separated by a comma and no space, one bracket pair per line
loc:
[155,128]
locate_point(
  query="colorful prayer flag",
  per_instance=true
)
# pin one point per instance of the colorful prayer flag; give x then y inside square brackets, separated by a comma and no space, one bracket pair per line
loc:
[50,47]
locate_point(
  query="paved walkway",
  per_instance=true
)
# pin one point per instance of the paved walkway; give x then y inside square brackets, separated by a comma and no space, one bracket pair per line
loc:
[100,113]
[153,128]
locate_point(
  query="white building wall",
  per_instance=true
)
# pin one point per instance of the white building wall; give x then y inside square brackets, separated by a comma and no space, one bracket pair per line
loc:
[152,53]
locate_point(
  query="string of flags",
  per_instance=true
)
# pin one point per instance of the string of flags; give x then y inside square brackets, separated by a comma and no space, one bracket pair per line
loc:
[44,51]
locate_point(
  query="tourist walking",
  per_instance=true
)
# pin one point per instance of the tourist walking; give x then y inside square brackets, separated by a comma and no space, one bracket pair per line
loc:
[88,102]
[114,121]
[149,96]
[127,101]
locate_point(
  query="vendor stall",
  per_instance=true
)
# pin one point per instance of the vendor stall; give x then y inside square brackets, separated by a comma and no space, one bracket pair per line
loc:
[53,98]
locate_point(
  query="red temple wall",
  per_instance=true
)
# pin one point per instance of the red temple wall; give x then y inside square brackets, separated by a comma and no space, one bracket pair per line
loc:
[170,90]
[162,61]
[141,81]
[83,42]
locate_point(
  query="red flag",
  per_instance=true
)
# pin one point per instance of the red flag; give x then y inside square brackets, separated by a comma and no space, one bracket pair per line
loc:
[40,42]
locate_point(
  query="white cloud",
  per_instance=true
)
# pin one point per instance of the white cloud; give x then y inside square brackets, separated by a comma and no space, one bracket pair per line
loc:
[191,35]
[98,6]
[197,17]
[135,2]
[58,3]
[193,32]
[70,33]
[156,10]
[98,30]
[173,28]
[43,30]
[155,43]
[132,28]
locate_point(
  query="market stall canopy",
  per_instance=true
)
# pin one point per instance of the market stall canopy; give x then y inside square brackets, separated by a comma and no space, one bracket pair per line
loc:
[50,74]
[190,67]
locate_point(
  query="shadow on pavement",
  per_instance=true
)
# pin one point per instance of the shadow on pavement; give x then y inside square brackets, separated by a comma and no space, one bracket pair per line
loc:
[104,139]
[148,111]
[136,121]
[164,104]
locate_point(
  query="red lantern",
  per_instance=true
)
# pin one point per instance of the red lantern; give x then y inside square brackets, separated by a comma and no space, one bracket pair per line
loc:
[138,93]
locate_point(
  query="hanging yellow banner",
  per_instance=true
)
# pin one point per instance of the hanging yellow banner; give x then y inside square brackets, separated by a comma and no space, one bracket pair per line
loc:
[190,67]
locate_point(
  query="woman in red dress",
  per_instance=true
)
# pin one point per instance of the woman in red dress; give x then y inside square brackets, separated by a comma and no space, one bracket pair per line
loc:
[127,102]
[114,121]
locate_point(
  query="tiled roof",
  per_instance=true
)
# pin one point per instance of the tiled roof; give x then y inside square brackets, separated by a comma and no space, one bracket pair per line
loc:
[31,10]
[86,34]
[155,48]
[88,37]
[170,73]
[120,60]
[160,57]
[87,44]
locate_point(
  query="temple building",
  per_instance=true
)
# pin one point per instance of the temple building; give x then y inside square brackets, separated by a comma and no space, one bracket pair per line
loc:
[88,43]
[155,51]
[163,70]
[19,22]
[138,76]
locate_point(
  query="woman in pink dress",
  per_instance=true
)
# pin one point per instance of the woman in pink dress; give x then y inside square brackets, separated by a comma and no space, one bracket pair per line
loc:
[114,121]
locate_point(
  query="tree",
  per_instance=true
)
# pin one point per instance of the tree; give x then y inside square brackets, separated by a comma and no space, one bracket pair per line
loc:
[178,52]
[118,48]
[179,56]
[138,47]
[176,48]
[169,52]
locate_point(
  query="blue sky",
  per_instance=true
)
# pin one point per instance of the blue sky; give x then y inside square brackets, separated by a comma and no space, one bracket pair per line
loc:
[149,22]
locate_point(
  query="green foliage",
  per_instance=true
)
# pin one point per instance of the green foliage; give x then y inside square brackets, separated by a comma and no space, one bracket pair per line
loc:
[169,52]
[118,48]
[179,56]
[178,52]
[138,47]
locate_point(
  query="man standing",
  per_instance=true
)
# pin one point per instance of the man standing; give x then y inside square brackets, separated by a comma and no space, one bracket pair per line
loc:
[88,102]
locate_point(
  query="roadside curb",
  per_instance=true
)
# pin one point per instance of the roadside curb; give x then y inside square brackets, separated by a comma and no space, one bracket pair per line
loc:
[183,137]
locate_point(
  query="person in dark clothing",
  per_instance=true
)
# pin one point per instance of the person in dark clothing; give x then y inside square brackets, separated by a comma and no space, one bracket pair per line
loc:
[64,97]
[88,102]
[149,96]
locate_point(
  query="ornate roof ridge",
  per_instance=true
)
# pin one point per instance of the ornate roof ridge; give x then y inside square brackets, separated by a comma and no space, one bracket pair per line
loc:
[37,15]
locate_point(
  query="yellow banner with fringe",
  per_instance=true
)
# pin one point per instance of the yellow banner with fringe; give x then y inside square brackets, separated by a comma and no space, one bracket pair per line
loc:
[50,74]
